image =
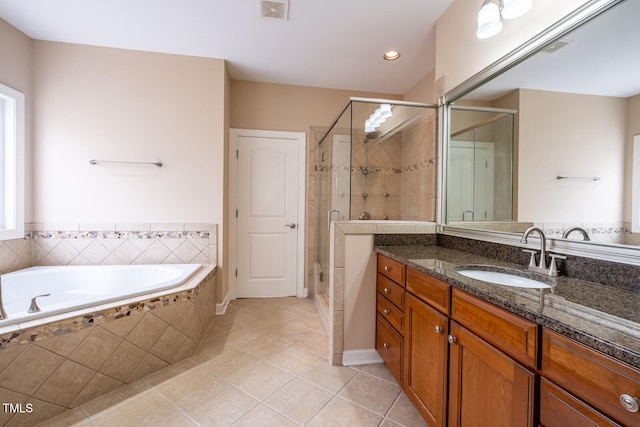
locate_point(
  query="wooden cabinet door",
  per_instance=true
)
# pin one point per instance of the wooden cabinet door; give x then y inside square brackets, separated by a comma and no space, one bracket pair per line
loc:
[486,387]
[425,360]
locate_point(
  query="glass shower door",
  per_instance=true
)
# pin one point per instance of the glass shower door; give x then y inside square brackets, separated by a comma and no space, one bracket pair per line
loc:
[333,194]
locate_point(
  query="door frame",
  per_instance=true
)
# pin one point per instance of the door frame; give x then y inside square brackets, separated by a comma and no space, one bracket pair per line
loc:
[300,137]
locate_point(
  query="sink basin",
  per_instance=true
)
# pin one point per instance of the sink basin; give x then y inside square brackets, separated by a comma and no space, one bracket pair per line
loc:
[505,279]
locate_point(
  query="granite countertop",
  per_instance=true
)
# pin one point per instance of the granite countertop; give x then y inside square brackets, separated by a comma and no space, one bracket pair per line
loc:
[602,317]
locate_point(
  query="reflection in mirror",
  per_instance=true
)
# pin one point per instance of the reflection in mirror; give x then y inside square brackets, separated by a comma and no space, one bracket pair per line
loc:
[578,108]
[479,173]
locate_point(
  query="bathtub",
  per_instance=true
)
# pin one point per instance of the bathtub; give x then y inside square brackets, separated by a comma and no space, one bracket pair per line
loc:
[73,288]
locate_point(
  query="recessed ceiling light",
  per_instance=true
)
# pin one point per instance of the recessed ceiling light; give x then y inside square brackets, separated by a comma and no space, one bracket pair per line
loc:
[391,55]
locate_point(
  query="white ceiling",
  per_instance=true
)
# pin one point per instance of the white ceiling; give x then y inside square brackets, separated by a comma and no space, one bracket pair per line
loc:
[324,43]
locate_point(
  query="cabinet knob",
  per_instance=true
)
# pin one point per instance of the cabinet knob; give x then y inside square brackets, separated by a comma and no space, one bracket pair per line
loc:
[438,329]
[386,345]
[630,403]
[386,311]
[452,339]
[387,290]
[387,268]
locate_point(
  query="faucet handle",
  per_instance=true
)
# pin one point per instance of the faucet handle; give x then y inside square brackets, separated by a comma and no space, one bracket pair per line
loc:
[553,268]
[532,260]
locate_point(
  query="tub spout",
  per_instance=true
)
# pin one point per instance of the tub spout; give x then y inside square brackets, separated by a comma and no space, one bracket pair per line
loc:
[3,314]
[34,305]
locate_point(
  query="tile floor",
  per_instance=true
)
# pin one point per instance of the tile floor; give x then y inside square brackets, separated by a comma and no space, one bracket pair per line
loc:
[264,363]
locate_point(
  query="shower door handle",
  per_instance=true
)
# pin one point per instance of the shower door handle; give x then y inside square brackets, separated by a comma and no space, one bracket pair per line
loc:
[329,217]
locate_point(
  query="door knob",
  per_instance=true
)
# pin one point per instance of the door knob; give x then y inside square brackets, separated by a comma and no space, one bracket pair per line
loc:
[292,225]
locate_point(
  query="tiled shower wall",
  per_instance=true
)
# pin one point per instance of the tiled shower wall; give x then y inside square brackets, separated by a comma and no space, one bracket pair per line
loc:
[78,244]
[419,151]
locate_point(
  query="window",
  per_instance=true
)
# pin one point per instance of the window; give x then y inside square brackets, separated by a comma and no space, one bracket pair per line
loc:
[12,130]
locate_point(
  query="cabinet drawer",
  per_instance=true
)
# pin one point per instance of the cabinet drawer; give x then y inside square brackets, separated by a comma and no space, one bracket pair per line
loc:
[393,314]
[510,333]
[590,375]
[391,290]
[389,345]
[560,409]
[430,290]
[394,270]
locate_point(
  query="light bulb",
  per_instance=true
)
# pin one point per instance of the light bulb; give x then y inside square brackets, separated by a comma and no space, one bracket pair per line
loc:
[489,23]
[514,8]
[385,111]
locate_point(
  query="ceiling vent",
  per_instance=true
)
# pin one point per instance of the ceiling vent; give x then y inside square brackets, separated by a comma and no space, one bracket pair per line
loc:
[275,9]
[556,45]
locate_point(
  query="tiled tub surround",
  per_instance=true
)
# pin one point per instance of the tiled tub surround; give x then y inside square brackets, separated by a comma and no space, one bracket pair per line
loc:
[603,317]
[94,244]
[79,356]
[124,244]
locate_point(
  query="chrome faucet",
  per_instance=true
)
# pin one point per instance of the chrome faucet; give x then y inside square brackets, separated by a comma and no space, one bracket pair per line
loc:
[585,235]
[3,314]
[542,265]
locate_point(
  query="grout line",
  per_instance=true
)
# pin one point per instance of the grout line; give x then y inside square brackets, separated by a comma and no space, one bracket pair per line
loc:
[158,393]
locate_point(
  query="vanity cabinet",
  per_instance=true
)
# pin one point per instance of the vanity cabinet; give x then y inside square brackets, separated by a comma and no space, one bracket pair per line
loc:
[390,307]
[600,384]
[465,361]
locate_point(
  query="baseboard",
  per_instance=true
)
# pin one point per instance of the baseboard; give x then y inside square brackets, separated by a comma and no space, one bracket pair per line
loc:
[360,357]
[221,308]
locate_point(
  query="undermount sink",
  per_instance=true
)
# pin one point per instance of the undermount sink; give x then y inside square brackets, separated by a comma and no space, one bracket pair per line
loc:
[501,278]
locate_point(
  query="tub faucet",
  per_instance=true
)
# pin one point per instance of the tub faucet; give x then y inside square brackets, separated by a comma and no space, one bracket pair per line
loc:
[3,314]
[542,265]
[585,235]
[34,308]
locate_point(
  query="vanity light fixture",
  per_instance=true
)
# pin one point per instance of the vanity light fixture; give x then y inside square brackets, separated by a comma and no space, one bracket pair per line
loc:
[489,23]
[491,12]
[391,55]
[378,117]
[514,8]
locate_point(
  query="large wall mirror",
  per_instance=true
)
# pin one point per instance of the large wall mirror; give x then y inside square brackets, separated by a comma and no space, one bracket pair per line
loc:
[576,109]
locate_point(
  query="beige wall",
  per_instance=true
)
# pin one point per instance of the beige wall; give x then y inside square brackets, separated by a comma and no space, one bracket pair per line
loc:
[15,72]
[460,54]
[571,135]
[112,104]
[423,91]
[289,108]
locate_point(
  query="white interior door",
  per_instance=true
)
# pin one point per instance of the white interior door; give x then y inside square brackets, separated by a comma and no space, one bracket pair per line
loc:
[268,223]
[470,182]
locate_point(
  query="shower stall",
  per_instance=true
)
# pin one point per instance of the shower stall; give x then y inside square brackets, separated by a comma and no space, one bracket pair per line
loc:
[376,162]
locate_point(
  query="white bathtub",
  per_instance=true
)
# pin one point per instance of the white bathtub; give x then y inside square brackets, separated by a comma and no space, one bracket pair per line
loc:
[73,288]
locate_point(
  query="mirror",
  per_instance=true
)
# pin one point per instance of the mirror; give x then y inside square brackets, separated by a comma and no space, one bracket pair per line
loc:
[577,103]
